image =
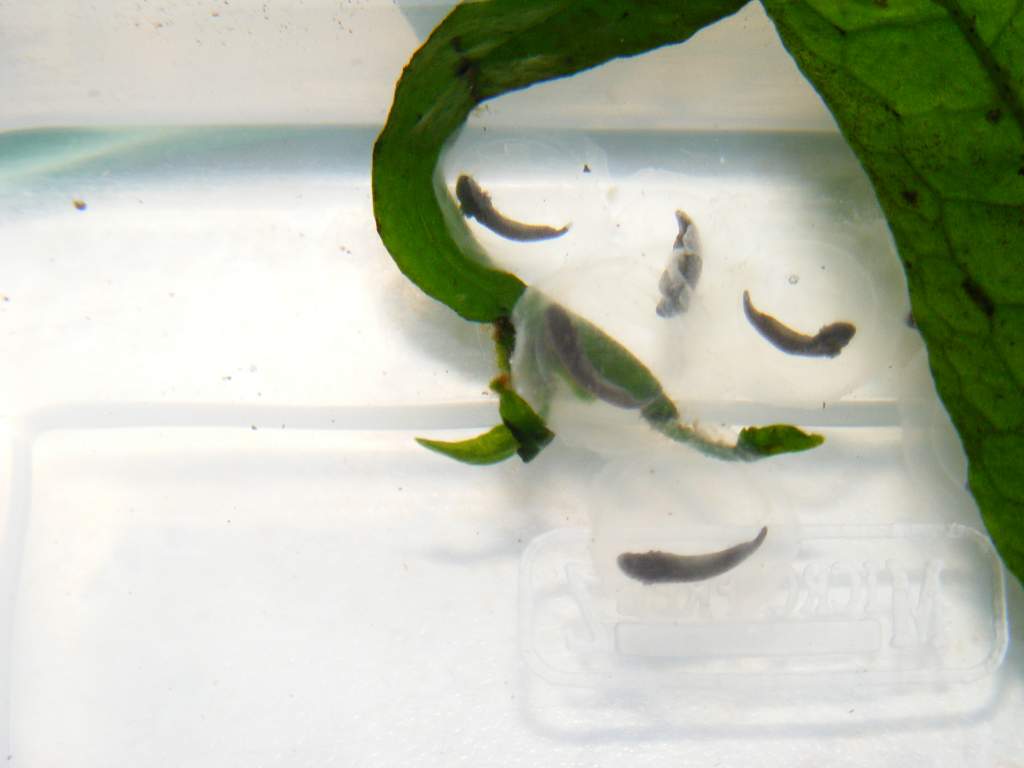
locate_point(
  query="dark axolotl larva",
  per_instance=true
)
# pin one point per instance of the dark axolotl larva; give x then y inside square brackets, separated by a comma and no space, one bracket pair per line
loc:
[683,271]
[827,342]
[665,568]
[476,204]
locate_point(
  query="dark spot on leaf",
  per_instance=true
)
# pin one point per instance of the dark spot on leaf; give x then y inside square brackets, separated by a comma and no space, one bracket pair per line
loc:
[470,72]
[910,196]
[993,115]
[840,30]
[892,111]
[1020,171]
[882,3]
[977,294]
[457,44]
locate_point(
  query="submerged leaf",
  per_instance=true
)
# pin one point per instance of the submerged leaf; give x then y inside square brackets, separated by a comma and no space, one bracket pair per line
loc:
[491,447]
[930,95]
[775,439]
[526,426]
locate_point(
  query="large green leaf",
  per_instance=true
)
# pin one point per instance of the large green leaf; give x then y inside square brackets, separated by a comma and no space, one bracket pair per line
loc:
[929,95]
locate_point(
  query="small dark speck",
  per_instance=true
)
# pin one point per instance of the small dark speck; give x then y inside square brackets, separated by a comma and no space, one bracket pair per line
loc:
[994,115]
[882,3]
[586,168]
[80,205]
[910,196]
[225,378]
[253,427]
[1020,171]
[823,405]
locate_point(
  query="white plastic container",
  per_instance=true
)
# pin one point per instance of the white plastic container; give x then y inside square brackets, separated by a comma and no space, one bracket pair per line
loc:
[222,546]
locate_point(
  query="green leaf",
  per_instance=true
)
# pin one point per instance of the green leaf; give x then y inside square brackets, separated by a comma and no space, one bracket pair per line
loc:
[491,447]
[522,432]
[526,426]
[482,50]
[775,439]
[929,95]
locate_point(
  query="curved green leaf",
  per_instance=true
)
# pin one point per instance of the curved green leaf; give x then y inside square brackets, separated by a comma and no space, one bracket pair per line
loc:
[930,95]
[495,445]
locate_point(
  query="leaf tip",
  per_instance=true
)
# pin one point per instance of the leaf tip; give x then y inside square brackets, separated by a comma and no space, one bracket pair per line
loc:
[491,447]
